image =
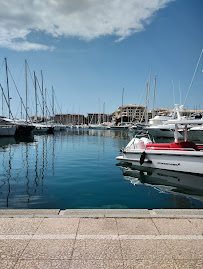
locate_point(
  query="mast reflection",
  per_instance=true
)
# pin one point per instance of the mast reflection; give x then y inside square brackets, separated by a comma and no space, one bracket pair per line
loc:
[24,168]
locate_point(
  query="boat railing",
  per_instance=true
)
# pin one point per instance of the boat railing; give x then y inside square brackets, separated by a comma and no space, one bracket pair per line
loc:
[162,148]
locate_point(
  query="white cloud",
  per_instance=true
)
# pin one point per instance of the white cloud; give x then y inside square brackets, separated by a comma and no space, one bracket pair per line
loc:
[86,19]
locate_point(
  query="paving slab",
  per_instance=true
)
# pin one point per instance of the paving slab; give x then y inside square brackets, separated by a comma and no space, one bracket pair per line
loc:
[97,250]
[179,212]
[145,249]
[45,264]
[96,264]
[48,249]
[149,264]
[28,212]
[19,225]
[198,223]
[101,226]
[176,226]
[185,249]
[189,264]
[129,226]
[7,264]
[61,241]
[12,249]
[58,226]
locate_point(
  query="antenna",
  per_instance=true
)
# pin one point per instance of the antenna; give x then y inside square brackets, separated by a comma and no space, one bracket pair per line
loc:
[7,88]
[180,93]
[174,101]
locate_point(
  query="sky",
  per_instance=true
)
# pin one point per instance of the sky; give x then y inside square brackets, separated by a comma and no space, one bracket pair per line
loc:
[89,50]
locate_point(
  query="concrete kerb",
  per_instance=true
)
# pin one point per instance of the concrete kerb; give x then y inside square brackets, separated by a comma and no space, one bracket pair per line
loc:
[102,213]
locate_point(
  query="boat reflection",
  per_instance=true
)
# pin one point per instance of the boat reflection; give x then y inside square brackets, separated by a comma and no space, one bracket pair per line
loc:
[23,169]
[190,185]
[6,141]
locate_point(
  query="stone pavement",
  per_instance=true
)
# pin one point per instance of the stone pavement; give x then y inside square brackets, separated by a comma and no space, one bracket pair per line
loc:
[101,239]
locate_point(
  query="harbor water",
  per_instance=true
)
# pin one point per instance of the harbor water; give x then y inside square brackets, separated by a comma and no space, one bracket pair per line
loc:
[78,169]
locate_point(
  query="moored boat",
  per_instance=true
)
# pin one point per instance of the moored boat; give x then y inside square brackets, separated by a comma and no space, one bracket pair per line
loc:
[7,130]
[182,156]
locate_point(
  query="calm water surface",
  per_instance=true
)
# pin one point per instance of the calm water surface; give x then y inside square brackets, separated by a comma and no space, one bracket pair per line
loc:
[78,169]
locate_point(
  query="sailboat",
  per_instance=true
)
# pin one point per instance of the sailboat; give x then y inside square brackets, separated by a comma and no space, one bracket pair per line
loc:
[7,130]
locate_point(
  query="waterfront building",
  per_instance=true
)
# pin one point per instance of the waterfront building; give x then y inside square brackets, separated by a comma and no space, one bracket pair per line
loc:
[130,112]
[94,118]
[39,118]
[66,119]
[188,113]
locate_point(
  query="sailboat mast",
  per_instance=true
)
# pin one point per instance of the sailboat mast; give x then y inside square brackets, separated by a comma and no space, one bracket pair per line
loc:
[35,96]
[147,97]
[53,100]
[122,108]
[42,96]
[26,88]
[99,115]
[146,109]
[153,112]
[2,105]
[21,112]
[7,88]
[46,102]
[103,111]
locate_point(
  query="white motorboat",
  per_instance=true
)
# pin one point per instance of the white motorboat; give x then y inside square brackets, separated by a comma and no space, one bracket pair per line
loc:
[63,127]
[163,130]
[121,127]
[136,128]
[57,128]
[161,126]
[7,130]
[97,126]
[182,156]
[157,120]
[40,128]
[196,133]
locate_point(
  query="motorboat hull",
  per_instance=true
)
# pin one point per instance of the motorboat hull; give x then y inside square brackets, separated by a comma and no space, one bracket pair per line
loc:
[181,161]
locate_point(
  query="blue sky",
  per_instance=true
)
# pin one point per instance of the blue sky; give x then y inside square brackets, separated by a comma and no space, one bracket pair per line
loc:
[90,50]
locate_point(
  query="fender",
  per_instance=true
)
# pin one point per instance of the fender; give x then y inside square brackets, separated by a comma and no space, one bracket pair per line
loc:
[142,157]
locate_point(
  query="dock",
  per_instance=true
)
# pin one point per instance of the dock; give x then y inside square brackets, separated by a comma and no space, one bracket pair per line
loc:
[101,238]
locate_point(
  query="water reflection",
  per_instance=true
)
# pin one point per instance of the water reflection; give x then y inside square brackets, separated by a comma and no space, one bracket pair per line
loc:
[24,167]
[188,185]
[6,141]
[77,169]
[120,134]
